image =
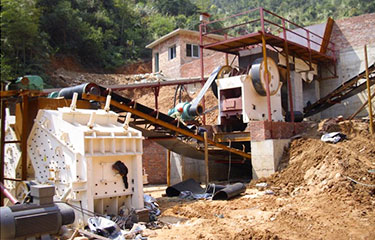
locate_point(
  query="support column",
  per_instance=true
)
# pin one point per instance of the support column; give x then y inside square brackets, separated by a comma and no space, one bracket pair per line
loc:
[369,93]
[286,49]
[206,158]
[202,68]
[25,115]
[267,78]
[2,147]
[168,167]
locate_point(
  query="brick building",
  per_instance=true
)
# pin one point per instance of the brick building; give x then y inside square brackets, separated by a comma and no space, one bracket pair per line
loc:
[177,54]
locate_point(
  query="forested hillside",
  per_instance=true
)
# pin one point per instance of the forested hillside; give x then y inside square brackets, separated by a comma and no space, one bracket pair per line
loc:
[104,35]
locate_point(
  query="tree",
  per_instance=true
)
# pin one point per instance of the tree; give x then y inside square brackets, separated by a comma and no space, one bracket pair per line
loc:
[20,36]
[176,7]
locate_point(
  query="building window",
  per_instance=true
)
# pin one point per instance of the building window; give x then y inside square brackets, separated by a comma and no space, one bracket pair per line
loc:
[192,50]
[172,52]
[156,62]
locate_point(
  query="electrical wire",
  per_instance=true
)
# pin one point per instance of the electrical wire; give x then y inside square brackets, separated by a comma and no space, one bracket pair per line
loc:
[88,212]
[363,184]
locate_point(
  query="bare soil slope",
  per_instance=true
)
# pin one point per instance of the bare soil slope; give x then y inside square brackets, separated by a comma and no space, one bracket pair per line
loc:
[64,78]
[313,196]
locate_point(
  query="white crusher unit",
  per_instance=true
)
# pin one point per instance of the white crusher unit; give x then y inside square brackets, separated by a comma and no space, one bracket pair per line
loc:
[94,161]
[244,96]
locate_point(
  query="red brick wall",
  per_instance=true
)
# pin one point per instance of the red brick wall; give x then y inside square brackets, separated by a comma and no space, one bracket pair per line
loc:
[169,68]
[193,69]
[262,130]
[354,31]
[183,66]
[155,162]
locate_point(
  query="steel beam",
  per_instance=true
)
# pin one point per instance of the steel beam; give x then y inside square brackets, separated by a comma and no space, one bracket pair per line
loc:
[288,73]
[369,93]
[164,124]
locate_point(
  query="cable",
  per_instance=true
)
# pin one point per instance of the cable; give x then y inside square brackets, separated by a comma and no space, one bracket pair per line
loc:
[88,212]
[80,204]
[363,184]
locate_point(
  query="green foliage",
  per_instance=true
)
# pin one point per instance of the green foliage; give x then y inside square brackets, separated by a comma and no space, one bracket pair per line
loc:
[302,12]
[160,25]
[6,70]
[175,7]
[21,38]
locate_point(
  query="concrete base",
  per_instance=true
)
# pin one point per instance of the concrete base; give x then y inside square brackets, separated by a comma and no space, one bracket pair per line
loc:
[266,155]
[183,168]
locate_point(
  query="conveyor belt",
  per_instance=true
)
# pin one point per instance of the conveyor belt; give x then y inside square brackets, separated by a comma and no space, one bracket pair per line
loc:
[164,128]
[346,90]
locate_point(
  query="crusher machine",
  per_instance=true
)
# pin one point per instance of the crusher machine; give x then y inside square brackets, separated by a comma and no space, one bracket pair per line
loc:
[94,162]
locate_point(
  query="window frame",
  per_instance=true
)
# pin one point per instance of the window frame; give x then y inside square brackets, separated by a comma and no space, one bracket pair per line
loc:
[191,50]
[157,62]
[172,52]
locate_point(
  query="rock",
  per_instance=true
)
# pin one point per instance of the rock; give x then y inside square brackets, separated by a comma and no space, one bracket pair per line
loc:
[269,192]
[149,233]
[261,185]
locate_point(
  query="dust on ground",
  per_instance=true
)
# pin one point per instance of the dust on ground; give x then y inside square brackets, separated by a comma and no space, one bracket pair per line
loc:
[323,191]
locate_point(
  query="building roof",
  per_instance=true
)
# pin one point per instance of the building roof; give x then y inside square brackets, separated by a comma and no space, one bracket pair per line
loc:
[181,31]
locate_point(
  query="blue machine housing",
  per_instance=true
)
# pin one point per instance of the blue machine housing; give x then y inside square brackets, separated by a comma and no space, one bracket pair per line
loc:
[186,113]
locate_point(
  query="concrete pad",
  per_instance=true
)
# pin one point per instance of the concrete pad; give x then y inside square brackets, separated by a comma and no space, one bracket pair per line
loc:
[266,155]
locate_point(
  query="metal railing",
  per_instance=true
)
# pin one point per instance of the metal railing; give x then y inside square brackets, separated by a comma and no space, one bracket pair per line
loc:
[262,20]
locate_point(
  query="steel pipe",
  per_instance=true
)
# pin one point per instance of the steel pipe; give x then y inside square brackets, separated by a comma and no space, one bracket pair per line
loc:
[7,194]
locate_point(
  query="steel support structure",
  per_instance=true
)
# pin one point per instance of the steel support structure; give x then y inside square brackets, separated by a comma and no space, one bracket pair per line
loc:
[25,125]
[368,93]
[2,147]
[202,68]
[164,124]
[156,94]
[290,95]
[264,48]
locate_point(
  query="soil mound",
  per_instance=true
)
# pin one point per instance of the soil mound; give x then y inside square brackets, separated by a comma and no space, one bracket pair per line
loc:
[322,191]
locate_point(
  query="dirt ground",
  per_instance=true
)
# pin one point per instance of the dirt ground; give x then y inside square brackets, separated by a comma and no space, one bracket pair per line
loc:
[312,197]
[322,191]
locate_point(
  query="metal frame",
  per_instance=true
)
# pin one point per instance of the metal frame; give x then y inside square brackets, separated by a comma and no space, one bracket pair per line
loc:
[262,36]
[164,124]
[23,136]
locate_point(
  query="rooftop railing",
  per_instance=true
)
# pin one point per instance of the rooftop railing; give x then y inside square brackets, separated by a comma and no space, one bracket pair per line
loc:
[267,22]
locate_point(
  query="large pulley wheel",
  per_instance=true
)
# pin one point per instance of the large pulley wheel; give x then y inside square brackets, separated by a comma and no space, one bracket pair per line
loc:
[224,70]
[258,76]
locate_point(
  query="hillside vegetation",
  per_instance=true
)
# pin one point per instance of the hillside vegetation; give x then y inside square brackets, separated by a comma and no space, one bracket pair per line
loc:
[104,35]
